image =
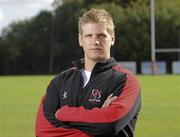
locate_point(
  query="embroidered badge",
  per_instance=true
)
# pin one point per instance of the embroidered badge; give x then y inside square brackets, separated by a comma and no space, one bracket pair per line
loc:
[95,96]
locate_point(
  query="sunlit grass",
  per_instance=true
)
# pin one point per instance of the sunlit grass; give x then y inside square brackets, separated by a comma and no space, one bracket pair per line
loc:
[160,114]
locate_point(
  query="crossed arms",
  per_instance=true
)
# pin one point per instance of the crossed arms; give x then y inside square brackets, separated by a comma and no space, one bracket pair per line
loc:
[99,121]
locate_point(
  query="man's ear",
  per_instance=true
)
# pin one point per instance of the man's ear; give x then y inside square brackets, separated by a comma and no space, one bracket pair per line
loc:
[80,40]
[113,39]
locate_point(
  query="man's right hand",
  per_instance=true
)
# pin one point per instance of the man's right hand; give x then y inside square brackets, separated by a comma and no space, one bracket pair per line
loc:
[109,100]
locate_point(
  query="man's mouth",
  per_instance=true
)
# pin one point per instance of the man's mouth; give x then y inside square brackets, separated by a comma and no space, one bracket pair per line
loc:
[95,49]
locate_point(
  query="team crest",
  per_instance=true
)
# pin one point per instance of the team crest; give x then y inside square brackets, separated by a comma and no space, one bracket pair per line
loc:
[95,96]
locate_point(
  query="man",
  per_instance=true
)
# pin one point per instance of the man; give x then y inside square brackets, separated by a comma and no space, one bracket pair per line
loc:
[97,97]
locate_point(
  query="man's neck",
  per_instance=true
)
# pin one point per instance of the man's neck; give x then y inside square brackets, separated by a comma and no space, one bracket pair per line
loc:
[89,65]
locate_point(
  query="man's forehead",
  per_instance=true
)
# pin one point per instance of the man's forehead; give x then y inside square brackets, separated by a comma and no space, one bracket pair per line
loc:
[93,27]
[93,24]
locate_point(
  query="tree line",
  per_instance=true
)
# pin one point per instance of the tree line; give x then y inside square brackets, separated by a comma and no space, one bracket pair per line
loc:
[48,42]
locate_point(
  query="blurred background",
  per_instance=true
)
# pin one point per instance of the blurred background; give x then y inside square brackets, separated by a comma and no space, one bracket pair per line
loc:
[39,39]
[41,36]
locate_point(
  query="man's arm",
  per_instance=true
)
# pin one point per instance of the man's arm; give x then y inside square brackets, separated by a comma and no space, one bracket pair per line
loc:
[99,121]
[46,122]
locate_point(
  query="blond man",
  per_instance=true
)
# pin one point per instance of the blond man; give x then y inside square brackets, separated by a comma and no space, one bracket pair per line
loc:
[95,98]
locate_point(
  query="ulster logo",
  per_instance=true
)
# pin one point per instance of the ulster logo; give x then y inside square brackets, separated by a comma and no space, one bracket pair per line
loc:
[95,96]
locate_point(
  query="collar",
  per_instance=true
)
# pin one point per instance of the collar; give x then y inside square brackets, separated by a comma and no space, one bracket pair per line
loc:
[99,67]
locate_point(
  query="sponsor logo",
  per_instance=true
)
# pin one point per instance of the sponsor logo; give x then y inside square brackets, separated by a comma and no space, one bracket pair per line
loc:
[95,96]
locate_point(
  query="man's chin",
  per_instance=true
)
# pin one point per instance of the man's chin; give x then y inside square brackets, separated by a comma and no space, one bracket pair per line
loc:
[97,59]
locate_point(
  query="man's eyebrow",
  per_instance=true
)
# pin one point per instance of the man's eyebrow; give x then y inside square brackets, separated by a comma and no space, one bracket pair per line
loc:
[88,33]
[102,33]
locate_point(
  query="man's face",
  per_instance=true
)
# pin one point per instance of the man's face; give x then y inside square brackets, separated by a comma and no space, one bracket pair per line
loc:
[96,41]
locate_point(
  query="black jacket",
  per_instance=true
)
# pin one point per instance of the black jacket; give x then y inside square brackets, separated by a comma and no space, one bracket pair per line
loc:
[68,105]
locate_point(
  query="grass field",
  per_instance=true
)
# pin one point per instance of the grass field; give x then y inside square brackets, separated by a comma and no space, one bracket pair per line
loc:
[159,117]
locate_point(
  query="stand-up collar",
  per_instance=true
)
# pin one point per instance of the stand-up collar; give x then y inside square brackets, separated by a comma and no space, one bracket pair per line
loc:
[99,67]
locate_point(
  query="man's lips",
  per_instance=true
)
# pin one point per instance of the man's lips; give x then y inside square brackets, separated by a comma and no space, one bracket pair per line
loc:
[95,49]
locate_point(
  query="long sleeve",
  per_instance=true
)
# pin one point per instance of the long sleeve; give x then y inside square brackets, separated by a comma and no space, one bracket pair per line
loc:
[46,123]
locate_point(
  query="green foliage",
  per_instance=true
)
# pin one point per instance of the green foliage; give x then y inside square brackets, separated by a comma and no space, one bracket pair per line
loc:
[66,33]
[167,28]
[134,34]
[27,44]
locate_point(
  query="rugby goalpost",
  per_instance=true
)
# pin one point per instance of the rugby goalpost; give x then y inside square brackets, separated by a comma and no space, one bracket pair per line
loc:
[153,40]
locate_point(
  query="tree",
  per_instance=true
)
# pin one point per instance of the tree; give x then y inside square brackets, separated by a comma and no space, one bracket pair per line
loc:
[66,34]
[28,43]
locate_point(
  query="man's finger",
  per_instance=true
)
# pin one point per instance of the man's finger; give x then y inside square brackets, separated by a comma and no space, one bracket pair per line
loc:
[110,96]
[108,101]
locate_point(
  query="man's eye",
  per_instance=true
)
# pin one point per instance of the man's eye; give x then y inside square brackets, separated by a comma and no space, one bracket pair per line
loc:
[102,36]
[88,35]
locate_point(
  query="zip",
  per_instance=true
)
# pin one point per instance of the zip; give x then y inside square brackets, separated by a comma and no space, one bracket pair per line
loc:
[79,98]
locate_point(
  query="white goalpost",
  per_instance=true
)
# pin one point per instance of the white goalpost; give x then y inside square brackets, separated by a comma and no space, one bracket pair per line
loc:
[153,41]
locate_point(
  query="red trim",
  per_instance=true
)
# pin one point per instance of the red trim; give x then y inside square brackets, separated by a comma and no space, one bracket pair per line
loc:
[118,109]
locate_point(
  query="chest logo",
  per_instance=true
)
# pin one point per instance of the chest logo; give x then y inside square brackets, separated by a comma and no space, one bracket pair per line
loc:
[95,96]
[65,95]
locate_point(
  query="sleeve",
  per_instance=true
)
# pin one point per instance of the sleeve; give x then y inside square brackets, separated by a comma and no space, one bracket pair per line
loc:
[52,103]
[109,120]
[43,128]
[46,124]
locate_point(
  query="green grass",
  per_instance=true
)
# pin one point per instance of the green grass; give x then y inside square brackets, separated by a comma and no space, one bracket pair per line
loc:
[160,114]
[20,98]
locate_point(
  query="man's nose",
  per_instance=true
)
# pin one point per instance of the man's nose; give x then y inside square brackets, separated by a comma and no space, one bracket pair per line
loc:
[96,41]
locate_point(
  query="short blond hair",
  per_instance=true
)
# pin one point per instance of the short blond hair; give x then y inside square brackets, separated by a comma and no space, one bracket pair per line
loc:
[97,16]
